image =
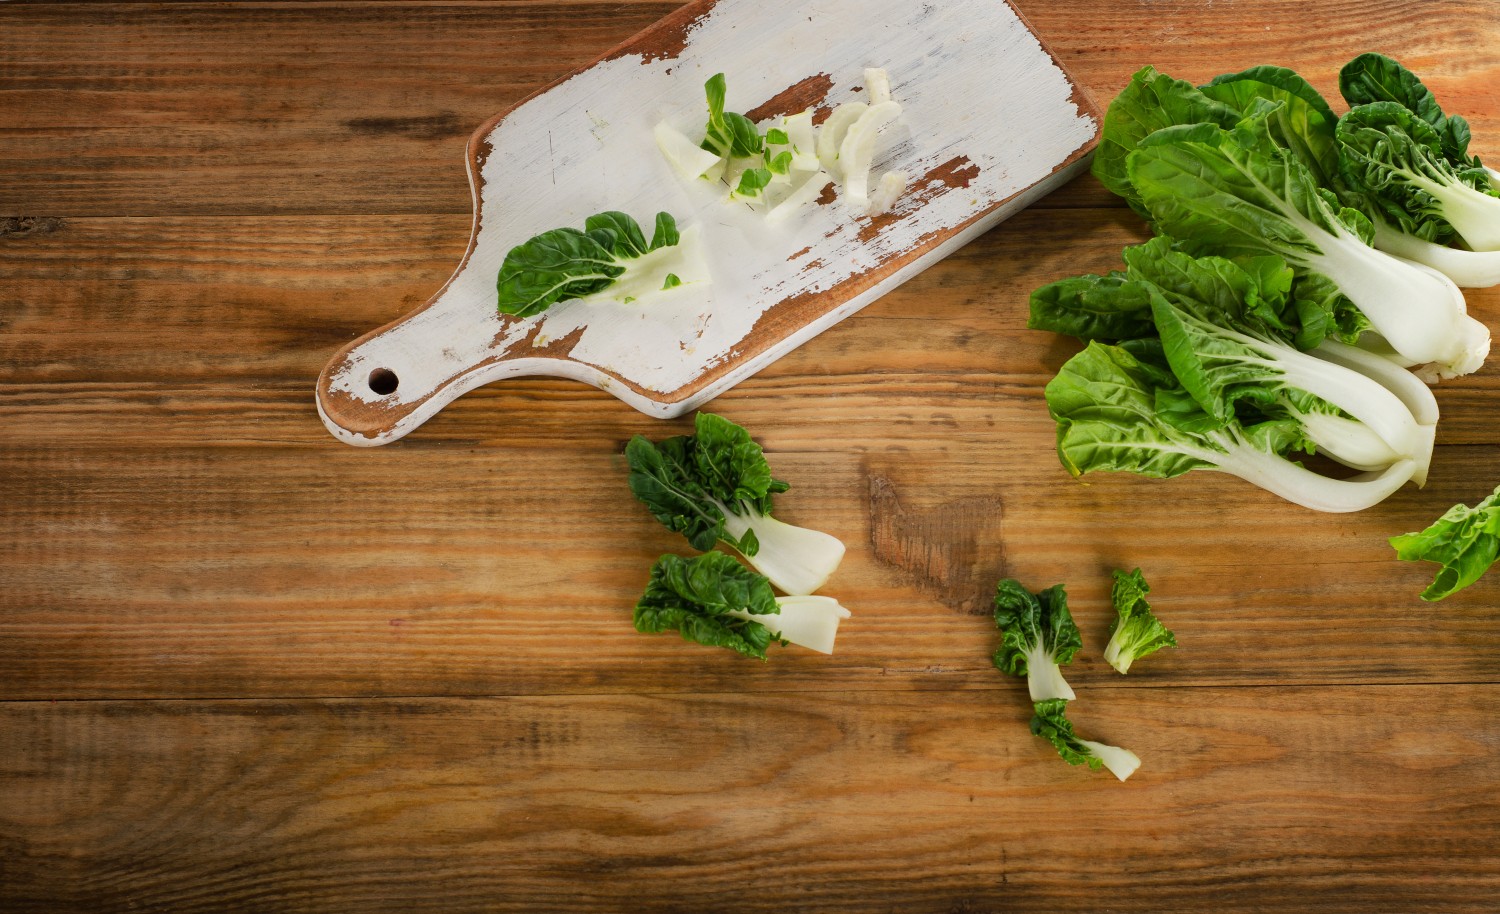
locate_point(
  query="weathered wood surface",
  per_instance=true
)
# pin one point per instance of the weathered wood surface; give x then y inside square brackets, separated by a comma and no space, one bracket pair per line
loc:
[245,667]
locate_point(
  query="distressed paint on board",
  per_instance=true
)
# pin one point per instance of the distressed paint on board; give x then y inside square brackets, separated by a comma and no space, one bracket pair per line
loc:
[989,122]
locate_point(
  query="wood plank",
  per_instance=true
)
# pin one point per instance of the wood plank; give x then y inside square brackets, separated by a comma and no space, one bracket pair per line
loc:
[252,308]
[163,108]
[1248,800]
[498,569]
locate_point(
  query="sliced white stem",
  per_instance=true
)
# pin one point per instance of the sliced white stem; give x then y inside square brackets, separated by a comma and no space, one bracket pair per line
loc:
[1044,678]
[857,152]
[878,84]
[1113,651]
[1122,763]
[797,560]
[831,134]
[812,622]
[892,185]
[803,136]
[1469,269]
[812,185]
[686,157]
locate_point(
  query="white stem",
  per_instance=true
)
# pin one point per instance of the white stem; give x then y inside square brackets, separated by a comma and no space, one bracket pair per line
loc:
[1304,487]
[797,560]
[1044,678]
[1122,763]
[1348,441]
[1112,652]
[1470,269]
[1475,214]
[1416,395]
[857,151]
[812,622]
[1417,309]
[1362,397]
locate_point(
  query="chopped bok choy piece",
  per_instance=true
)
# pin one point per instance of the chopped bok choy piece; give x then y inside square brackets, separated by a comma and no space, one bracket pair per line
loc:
[1135,631]
[1050,722]
[1465,541]
[715,486]
[1037,636]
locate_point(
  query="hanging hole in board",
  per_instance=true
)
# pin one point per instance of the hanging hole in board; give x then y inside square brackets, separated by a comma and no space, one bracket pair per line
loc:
[383,381]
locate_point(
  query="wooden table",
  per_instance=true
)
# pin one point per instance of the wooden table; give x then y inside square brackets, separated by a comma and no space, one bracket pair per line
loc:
[247,668]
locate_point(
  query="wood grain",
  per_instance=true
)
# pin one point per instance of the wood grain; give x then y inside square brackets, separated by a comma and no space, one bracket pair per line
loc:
[246,668]
[1305,799]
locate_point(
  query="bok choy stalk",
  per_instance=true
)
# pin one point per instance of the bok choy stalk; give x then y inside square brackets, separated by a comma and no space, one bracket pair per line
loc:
[1237,193]
[1422,234]
[1465,541]
[715,486]
[609,260]
[1121,408]
[1037,636]
[1050,722]
[1135,632]
[714,600]
[1230,335]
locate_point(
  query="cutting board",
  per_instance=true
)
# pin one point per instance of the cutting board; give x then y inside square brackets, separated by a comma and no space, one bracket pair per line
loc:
[990,122]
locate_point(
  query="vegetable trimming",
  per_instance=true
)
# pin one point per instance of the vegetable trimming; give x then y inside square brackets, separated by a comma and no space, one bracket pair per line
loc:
[716,486]
[1465,541]
[1037,636]
[788,166]
[714,600]
[1135,631]
[609,260]
[1050,722]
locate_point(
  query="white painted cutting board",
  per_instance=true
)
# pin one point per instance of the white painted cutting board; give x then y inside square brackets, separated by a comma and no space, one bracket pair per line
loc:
[990,121]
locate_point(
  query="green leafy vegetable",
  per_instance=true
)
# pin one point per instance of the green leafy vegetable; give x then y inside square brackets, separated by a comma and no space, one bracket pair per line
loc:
[563,264]
[716,486]
[696,597]
[728,134]
[716,601]
[1037,636]
[1465,541]
[1374,77]
[1050,722]
[1121,408]
[1398,160]
[1135,632]
[752,182]
[1236,193]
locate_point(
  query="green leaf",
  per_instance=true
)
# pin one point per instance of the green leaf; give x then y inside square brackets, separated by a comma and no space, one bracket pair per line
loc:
[777,137]
[555,266]
[1465,541]
[1105,402]
[1135,631]
[1375,77]
[671,282]
[1396,160]
[1050,722]
[663,477]
[728,134]
[752,182]
[1148,103]
[695,597]
[1029,621]
[666,234]
[688,482]
[1093,308]
[779,164]
[628,240]
[1300,119]
[565,263]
